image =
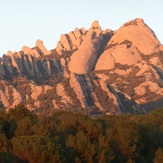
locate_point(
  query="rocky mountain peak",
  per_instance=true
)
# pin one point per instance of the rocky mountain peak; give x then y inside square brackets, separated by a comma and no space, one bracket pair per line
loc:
[134,22]
[139,34]
[90,70]
[9,53]
[95,25]
[129,45]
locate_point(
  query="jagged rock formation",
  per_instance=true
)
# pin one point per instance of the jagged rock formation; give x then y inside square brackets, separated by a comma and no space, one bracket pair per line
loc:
[133,56]
[87,53]
[93,71]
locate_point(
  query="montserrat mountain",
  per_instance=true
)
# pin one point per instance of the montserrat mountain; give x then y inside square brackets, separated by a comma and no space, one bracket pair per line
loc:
[93,71]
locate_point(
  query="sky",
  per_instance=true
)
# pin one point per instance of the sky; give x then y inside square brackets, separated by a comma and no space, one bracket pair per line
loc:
[22,22]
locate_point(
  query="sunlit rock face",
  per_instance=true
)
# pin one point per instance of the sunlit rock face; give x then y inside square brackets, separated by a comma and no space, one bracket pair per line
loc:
[139,34]
[41,46]
[93,71]
[84,58]
[133,58]
[128,45]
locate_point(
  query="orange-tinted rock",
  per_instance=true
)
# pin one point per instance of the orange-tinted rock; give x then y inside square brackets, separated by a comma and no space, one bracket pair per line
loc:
[64,42]
[131,60]
[9,53]
[40,44]
[141,36]
[28,50]
[161,47]
[77,33]
[83,59]
[59,48]
[126,56]
[128,44]
[96,28]
[73,39]
[96,25]
[83,30]
[105,62]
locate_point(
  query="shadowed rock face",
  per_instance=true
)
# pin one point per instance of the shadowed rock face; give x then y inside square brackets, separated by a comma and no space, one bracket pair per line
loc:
[93,71]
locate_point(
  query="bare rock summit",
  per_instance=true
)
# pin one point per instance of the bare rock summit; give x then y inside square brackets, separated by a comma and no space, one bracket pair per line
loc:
[139,34]
[128,46]
[93,71]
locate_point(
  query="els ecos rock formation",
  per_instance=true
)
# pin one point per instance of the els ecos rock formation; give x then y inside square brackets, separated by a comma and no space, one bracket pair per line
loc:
[93,71]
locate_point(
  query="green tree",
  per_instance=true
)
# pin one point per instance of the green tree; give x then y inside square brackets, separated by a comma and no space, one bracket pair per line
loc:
[104,151]
[6,157]
[82,145]
[36,149]
[24,127]
[18,112]
[3,142]
[14,118]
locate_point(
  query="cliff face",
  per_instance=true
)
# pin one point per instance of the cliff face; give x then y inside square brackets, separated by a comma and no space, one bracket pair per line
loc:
[93,71]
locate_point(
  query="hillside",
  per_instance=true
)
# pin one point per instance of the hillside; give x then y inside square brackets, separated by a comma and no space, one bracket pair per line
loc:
[93,71]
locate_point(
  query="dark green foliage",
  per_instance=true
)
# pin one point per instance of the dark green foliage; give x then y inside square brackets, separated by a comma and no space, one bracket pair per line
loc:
[36,149]
[6,157]
[18,117]
[73,137]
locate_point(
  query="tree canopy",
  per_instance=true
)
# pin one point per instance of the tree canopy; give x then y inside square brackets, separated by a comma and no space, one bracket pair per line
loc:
[73,137]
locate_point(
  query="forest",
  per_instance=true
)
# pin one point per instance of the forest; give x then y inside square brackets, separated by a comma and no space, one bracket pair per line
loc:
[67,137]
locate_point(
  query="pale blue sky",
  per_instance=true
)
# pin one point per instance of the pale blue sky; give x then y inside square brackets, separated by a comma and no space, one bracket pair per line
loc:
[25,21]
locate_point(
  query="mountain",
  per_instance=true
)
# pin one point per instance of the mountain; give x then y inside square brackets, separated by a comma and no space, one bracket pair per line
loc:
[93,71]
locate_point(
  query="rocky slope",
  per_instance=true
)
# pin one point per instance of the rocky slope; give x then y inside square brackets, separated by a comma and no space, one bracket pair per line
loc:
[94,71]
